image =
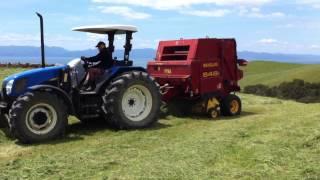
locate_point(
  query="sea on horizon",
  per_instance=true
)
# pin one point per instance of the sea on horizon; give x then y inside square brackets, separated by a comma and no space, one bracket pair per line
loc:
[56,60]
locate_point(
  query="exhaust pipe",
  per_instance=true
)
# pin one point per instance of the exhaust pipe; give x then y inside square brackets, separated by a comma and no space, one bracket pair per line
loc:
[43,62]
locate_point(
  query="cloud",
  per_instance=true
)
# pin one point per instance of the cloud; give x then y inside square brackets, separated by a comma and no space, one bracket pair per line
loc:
[286,26]
[315,46]
[13,37]
[273,43]
[124,11]
[214,8]
[257,13]
[311,3]
[181,4]
[268,41]
[207,13]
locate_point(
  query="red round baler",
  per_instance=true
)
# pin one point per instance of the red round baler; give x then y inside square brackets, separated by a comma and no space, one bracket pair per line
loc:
[203,73]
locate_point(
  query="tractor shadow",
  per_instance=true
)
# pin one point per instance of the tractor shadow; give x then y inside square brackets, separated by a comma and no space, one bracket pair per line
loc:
[95,126]
[77,131]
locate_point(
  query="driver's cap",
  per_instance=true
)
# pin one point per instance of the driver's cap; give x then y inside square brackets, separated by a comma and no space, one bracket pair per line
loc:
[100,43]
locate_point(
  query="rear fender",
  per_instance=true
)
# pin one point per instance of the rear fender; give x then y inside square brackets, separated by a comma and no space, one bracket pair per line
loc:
[115,72]
[61,93]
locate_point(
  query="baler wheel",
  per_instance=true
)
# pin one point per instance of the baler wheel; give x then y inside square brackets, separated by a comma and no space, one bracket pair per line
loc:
[214,113]
[231,105]
[132,101]
[37,117]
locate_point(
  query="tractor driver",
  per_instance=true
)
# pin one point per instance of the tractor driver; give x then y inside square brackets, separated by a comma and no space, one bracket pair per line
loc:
[96,66]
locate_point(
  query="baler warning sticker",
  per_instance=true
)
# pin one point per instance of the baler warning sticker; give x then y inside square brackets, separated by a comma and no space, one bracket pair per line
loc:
[210,65]
[211,74]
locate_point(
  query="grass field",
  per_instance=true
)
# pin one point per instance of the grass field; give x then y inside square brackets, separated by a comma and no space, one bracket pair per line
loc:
[273,73]
[273,139]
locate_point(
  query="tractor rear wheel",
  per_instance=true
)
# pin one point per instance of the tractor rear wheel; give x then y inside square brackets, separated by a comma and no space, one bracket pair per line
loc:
[37,117]
[231,105]
[3,121]
[132,101]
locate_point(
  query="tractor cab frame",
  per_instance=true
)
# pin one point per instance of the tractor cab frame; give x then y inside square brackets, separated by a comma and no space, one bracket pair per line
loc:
[111,31]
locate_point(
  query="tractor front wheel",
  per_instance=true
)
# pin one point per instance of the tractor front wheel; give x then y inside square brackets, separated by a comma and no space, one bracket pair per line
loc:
[37,117]
[231,105]
[132,101]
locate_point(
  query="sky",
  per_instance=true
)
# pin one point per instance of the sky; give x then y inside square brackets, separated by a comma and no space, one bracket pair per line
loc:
[274,26]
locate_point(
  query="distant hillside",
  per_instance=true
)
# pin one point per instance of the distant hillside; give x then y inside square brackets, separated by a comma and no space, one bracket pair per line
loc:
[290,58]
[61,55]
[274,73]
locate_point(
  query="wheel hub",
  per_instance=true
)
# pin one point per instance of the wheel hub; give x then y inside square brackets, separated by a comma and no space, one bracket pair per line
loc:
[234,106]
[137,103]
[41,118]
[131,102]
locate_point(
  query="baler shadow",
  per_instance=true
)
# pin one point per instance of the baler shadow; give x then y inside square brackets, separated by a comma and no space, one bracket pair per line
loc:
[222,118]
[243,114]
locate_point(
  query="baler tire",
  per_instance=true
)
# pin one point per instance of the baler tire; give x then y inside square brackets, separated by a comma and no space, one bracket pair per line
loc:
[117,101]
[228,103]
[29,106]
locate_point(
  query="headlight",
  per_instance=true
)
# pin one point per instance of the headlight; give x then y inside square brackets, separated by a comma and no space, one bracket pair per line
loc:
[9,87]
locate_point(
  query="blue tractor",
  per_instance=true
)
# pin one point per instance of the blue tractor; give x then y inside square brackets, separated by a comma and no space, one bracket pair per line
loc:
[35,104]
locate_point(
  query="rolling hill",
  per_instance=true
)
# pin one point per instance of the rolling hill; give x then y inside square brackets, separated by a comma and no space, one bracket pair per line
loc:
[274,73]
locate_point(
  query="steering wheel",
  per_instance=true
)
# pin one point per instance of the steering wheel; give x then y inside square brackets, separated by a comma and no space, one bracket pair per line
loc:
[85,63]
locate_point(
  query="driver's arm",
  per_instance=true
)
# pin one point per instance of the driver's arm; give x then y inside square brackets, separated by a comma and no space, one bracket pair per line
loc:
[96,58]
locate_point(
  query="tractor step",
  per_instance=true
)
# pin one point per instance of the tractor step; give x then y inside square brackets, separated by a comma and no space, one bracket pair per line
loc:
[3,105]
[91,116]
[85,93]
[89,106]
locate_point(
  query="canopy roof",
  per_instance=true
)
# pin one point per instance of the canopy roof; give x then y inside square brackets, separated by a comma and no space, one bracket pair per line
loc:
[105,29]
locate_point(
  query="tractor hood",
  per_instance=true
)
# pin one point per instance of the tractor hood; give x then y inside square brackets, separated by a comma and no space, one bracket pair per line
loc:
[20,82]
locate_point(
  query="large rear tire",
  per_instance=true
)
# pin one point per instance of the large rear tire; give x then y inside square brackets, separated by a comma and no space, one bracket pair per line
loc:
[3,121]
[231,105]
[37,117]
[132,101]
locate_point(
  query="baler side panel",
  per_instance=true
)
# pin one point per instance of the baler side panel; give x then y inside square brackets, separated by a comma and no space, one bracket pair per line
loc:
[229,65]
[208,49]
[195,77]
[208,53]
[229,57]
[211,80]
